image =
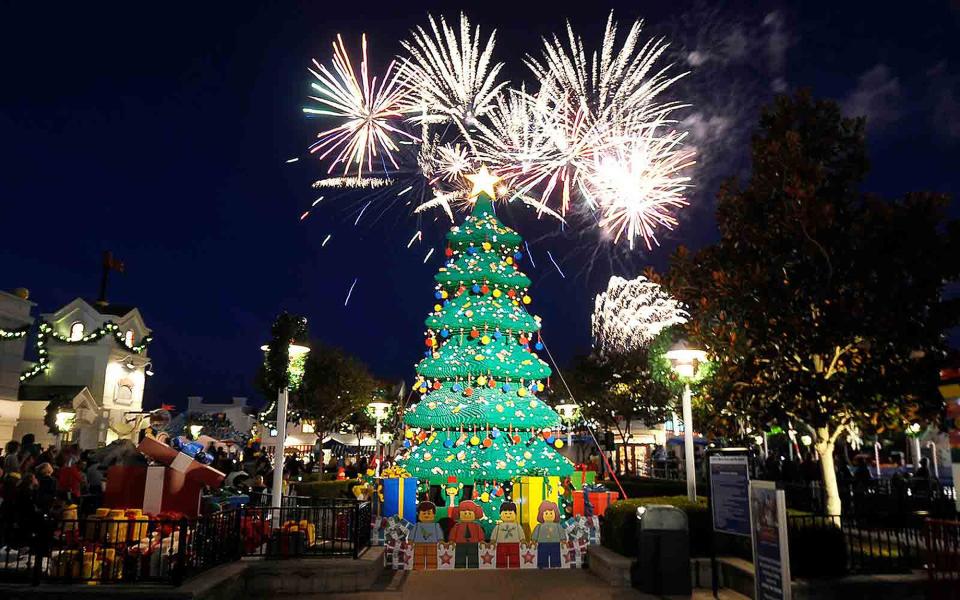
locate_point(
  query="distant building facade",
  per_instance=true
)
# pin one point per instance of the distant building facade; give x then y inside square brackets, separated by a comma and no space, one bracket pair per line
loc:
[93,373]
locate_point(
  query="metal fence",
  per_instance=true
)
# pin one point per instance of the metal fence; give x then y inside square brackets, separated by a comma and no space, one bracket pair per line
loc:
[878,502]
[826,546]
[943,558]
[168,551]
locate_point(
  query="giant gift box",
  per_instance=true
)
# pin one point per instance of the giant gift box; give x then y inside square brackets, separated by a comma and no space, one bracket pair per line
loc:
[400,498]
[528,495]
[581,477]
[600,501]
[173,485]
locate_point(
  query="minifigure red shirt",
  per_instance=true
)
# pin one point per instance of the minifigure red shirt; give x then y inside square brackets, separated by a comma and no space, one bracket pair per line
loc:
[466,533]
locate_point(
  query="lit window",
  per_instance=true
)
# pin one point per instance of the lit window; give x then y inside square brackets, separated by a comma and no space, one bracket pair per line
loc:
[307,428]
[76,331]
[128,338]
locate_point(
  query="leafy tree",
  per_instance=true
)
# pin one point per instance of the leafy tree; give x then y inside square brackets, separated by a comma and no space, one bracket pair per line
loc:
[617,389]
[820,305]
[336,388]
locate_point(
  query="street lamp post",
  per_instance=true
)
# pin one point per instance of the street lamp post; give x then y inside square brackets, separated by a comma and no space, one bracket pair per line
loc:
[379,412]
[685,361]
[294,352]
[568,414]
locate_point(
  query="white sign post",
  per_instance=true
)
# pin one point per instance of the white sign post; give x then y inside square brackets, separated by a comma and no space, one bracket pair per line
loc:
[768,531]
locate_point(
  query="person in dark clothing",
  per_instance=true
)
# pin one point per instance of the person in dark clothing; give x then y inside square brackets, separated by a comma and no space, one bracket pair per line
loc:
[861,476]
[27,515]
[46,487]
[923,471]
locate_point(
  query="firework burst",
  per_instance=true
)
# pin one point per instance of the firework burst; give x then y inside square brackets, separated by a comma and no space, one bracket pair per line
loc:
[368,111]
[631,313]
[450,79]
[638,183]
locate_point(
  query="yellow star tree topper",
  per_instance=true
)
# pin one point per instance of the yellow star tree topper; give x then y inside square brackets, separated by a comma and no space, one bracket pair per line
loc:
[483,181]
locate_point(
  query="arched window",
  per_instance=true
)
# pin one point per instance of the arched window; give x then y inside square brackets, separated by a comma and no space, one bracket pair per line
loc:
[76,331]
[128,338]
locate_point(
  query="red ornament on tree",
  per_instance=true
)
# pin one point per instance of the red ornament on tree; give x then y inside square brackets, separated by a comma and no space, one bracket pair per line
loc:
[511,293]
[484,289]
[474,333]
[448,251]
[468,392]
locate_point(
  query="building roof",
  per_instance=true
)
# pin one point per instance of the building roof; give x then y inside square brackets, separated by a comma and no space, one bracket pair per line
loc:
[117,310]
[49,392]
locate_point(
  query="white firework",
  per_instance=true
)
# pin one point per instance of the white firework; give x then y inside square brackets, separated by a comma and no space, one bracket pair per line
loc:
[631,313]
[588,104]
[367,111]
[450,78]
[364,183]
[638,183]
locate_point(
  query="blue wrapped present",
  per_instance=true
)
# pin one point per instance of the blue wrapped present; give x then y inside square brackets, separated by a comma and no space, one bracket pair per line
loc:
[400,498]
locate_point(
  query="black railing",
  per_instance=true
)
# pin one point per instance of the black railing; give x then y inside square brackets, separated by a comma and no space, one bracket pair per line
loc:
[877,502]
[165,551]
[825,546]
[942,558]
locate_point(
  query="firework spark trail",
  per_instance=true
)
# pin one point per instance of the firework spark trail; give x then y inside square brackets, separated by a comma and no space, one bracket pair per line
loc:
[350,292]
[427,257]
[363,183]
[326,239]
[361,212]
[367,110]
[550,256]
[317,201]
[417,236]
[631,314]
[529,254]
[305,214]
[292,160]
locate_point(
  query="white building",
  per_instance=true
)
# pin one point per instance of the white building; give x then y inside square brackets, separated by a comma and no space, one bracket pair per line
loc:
[15,318]
[236,411]
[95,365]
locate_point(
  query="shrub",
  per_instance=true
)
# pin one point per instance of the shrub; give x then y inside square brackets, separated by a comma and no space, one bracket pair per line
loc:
[619,529]
[817,548]
[326,489]
[645,487]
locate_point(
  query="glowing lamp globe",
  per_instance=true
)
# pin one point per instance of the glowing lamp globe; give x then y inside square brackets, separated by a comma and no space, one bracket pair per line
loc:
[378,410]
[685,359]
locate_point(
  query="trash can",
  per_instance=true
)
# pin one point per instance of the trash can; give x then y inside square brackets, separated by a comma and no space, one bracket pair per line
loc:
[663,550]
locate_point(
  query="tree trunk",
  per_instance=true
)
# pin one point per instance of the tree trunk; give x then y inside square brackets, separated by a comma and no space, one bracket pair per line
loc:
[825,446]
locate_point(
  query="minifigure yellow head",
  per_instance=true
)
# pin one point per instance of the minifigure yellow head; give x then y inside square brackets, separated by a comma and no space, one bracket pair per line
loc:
[508,512]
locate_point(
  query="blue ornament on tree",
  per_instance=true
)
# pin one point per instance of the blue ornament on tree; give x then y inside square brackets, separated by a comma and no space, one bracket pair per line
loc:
[444,333]
[506,386]
[438,294]
[406,443]
[471,250]
[495,433]
[497,335]
[517,255]
[538,345]
[448,443]
[476,288]
[551,440]
[457,387]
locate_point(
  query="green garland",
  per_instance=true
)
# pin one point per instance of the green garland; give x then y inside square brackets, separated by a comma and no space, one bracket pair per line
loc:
[46,331]
[14,334]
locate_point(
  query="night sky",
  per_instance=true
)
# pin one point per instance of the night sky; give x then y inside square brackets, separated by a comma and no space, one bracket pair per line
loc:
[161,132]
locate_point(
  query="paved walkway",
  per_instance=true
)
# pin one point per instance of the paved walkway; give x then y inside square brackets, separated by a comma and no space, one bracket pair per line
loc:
[571,584]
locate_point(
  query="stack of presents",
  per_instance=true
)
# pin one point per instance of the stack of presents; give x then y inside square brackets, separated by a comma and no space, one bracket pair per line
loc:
[145,522]
[530,531]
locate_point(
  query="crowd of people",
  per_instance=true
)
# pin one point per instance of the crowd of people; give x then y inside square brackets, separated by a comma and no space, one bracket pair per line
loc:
[38,482]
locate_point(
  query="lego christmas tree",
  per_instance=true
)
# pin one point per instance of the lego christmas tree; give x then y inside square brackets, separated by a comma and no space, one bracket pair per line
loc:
[478,420]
